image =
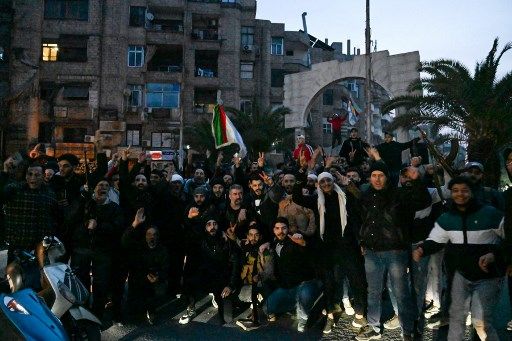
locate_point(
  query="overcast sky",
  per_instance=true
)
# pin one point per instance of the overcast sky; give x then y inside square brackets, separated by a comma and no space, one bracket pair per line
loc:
[457,29]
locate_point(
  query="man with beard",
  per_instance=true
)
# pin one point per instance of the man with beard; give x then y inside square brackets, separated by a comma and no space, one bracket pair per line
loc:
[338,246]
[486,195]
[301,219]
[263,199]
[238,213]
[218,270]
[293,270]
[96,242]
[149,266]
[199,180]
[218,194]
[250,251]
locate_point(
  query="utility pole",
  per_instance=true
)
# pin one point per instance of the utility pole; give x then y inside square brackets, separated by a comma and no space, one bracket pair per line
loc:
[367,83]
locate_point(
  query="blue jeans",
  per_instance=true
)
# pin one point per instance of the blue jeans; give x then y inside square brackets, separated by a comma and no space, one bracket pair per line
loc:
[480,297]
[301,298]
[394,264]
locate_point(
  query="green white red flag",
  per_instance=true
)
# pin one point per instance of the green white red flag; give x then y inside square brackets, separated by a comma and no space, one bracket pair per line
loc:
[224,132]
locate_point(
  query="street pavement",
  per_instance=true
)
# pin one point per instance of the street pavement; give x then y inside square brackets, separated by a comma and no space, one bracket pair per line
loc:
[205,325]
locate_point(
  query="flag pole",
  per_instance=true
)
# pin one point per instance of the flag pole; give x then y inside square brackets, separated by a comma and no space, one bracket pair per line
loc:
[368,62]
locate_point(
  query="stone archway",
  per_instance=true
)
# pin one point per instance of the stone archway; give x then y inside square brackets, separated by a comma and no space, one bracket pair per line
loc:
[393,72]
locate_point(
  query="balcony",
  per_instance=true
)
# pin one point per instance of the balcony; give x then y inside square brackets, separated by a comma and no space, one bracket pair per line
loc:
[159,25]
[205,34]
[167,59]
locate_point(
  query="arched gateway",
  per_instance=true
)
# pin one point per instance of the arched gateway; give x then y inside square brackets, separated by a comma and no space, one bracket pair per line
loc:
[393,72]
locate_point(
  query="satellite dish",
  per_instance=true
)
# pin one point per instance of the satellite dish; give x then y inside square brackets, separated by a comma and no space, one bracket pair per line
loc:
[150,16]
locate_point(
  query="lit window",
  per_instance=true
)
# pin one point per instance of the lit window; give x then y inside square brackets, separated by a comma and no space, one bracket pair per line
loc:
[50,52]
[277,46]
[135,56]
[246,70]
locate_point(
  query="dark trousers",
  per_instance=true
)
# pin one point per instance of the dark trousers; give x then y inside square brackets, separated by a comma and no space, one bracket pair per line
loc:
[85,261]
[351,266]
[336,138]
[144,294]
[176,262]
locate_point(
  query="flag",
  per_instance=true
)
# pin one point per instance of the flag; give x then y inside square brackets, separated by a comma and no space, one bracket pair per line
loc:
[224,132]
[353,114]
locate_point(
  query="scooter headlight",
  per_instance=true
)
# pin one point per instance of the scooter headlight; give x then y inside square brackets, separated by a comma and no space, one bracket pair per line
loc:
[14,306]
[64,291]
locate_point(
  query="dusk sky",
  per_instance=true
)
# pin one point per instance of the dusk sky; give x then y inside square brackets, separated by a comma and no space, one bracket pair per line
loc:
[457,29]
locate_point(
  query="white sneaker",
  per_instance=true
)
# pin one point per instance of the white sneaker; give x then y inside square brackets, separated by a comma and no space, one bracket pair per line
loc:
[348,307]
[189,314]
[509,325]
[214,303]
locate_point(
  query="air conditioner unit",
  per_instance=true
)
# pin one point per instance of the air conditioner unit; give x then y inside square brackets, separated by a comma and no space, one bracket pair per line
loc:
[89,138]
[146,143]
[247,48]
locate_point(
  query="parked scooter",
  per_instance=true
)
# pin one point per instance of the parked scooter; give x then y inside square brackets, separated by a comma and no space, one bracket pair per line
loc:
[25,316]
[62,291]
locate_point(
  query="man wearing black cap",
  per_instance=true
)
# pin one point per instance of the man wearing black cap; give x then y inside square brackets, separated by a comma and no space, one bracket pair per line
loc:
[391,153]
[387,212]
[486,195]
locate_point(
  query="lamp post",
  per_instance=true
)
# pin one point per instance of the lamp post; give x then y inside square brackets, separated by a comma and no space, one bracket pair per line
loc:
[368,66]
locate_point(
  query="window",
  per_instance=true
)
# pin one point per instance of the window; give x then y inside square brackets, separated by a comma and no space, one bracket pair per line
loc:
[246,70]
[328,97]
[247,35]
[133,134]
[246,106]
[277,46]
[163,95]
[50,52]
[75,92]
[137,16]
[66,9]
[326,126]
[277,78]
[68,48]
[162,140]
[135,56]
[135,99]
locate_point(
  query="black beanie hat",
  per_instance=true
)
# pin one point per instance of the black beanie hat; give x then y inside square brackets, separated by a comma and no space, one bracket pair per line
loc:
[379,166]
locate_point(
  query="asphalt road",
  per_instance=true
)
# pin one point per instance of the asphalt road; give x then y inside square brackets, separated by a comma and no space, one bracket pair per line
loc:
[205,326]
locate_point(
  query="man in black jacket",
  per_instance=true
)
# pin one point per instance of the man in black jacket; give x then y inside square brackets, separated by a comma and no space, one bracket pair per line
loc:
[387,213]
[352,149]
[218,271]
[295,278]
[95,242]
[391,153]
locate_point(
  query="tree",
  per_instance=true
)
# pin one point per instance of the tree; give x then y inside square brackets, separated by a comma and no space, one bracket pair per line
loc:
[476,108]
[261,130]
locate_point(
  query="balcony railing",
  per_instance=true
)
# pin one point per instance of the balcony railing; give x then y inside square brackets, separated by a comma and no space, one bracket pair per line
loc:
[205,34]
[206,72]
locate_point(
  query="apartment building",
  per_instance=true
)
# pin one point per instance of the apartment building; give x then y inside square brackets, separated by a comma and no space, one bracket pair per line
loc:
[139,70]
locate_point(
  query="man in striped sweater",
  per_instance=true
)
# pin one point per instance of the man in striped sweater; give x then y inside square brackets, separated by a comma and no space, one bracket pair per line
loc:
[474,257]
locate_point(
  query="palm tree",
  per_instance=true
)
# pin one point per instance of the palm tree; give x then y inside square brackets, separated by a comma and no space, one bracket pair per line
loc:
[261,130]
[476,108]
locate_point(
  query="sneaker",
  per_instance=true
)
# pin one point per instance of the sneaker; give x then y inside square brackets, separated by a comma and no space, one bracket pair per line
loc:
[348,307]
[329,323]
[189,314]
[150,317]
[509,325]
[301,326]
[367,333]
[432,310]
[247,324]
[359,322]
[214,303]
[392,323]
[271,318]
[436,321]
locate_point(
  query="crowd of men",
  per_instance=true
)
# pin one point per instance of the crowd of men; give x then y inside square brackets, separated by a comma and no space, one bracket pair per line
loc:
[348,227]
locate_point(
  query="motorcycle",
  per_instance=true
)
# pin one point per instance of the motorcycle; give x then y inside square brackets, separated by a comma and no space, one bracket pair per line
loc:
[62,291]
[24,316]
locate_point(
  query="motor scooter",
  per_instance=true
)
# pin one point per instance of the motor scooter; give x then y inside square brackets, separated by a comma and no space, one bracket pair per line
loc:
[62,291]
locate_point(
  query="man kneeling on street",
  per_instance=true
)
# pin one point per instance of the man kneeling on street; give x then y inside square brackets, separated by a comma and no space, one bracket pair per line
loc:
[293,271]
